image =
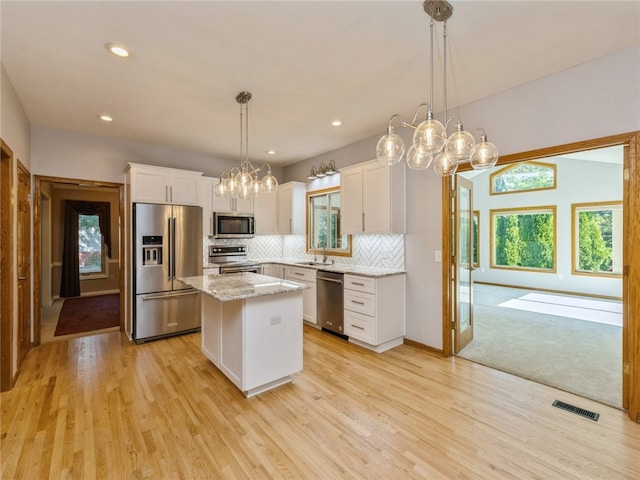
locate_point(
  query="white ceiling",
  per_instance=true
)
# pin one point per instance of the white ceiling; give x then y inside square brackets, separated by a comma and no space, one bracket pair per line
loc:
[306,64]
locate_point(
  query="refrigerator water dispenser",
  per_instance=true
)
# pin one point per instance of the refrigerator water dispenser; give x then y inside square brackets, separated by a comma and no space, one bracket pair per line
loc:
[152,250]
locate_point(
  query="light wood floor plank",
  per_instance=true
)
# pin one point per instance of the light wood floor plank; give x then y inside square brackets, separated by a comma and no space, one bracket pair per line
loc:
[102,407]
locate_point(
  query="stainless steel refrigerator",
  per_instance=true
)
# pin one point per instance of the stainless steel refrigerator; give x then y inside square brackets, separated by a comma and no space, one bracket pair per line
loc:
[167,244]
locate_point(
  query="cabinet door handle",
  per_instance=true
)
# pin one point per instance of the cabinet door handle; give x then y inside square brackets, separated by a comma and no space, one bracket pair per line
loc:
[22,278]
[171,193]
[357,303]
[357,326]
[363,221]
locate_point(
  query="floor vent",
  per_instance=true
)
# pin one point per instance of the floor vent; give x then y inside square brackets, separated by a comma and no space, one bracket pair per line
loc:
[577,410]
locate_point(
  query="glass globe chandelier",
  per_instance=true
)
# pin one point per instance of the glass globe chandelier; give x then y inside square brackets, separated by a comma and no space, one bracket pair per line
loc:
[244,182]
[431,143]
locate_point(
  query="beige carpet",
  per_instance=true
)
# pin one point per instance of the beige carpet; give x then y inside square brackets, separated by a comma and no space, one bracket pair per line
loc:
[581,357]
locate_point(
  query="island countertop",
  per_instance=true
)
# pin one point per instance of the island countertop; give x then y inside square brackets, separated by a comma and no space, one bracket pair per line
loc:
[238,286]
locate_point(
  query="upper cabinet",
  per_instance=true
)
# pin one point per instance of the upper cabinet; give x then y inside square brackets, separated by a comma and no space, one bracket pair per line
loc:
[226,204]
[151,184]
[373,198]
[291,213]
[265,207]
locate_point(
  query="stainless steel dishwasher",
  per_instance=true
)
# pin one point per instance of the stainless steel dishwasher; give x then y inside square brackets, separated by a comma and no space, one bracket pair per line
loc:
[330,302]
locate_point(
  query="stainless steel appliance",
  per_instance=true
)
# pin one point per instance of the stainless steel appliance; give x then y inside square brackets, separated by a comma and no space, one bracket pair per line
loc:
[167,243]
[232,259]
[233,225]
[330,301]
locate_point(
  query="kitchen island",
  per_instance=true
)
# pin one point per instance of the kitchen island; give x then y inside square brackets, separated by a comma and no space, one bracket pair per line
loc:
[251,328]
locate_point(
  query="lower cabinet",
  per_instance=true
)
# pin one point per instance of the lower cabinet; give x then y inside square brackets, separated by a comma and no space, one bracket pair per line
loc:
[256,342]
[374,311]
[273,270]
[307,276]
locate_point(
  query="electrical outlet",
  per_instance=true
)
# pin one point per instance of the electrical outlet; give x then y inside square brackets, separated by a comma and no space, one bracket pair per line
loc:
[275,320]
[438,256]
[385,254]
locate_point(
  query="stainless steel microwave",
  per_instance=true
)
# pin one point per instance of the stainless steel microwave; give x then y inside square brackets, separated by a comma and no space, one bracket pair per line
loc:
[233,225]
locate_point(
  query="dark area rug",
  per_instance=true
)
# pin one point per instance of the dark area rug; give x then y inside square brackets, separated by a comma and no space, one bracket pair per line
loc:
[86,314]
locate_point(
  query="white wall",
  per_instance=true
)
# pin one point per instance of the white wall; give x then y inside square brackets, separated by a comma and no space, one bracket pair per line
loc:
[604,181]
[60,153]
[592,100]
[14,124]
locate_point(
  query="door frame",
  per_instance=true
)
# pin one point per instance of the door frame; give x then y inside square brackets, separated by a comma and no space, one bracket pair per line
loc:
[23,349]
[7,280]
[37,236]
[631,253]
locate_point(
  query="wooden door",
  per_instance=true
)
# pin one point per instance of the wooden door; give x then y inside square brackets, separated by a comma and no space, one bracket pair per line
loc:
[463,264]
[6,267]
[24,261]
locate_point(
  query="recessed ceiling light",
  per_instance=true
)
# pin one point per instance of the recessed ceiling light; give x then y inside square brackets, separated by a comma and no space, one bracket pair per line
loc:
[336,123]
[271,152]
[117,50]
[105,118]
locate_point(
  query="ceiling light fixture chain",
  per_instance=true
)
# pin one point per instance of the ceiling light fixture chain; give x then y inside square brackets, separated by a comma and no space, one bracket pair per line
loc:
[431,142]
[244,182]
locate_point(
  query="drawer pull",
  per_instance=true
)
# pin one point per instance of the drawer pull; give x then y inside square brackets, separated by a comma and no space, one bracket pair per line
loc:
[357,326]
[357,303]
[299,274]
[358,283]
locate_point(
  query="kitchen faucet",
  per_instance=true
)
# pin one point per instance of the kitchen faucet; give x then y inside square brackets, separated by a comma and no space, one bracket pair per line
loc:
[324,253]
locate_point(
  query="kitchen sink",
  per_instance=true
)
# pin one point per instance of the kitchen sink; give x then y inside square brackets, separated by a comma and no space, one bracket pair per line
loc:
[311,263]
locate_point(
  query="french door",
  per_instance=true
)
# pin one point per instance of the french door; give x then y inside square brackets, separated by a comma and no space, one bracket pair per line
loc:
[463,264]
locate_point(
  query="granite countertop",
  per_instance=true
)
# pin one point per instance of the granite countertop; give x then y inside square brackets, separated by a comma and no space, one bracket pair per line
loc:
[339,267]
[238,286]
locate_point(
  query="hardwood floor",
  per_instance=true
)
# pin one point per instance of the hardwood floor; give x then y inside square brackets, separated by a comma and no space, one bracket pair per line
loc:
[102,407]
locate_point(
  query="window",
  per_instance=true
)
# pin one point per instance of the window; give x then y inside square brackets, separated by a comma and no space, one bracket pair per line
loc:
[524,239]
[323,223]
[596,238]
[523,177]
[90,251]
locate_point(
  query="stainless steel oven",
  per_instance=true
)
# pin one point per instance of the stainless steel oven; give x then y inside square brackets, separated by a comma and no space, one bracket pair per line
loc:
[232,259]
[230,268]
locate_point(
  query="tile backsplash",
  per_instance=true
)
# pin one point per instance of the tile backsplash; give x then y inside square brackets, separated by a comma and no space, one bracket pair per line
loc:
[386,251]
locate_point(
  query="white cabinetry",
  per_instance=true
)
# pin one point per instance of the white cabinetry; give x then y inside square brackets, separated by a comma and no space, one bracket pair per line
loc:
[256,342]
[308,277]
[291,211]
[265,207]
[151,184]
[206,202]
[374,311]
[373,198]
[226,204]
[273,270]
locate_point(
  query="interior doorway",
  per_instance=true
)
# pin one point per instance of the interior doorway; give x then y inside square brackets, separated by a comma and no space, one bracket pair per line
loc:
[45,187]
[630,360]
[534,231]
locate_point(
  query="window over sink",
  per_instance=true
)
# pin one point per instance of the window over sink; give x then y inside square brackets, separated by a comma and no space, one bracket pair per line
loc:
[323,223]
